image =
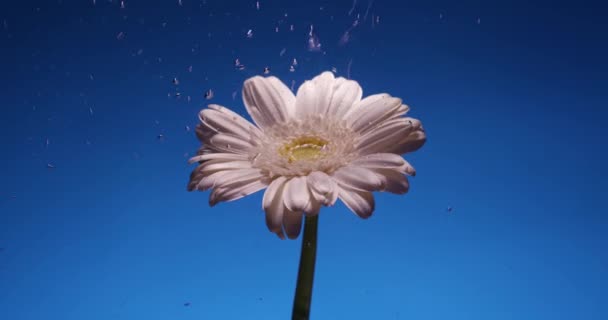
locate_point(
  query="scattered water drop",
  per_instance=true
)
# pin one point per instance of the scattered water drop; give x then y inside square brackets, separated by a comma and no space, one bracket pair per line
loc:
[209,94]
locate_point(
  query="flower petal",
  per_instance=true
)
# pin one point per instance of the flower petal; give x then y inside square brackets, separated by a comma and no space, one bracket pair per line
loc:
[211,166]
[384,138]
[274,207]
[267,100]
[325,90]
[218,156]
[228,178]
[323,188]
[316,95]
[297,197]
[393,181]
[221,122]
[313,207]
[358,178]
[292,223]
[371,111]
[230,144]
[360,203]
[411,142]
[306,99]
[380,160]
[228,194]
[346,94]
[238,119]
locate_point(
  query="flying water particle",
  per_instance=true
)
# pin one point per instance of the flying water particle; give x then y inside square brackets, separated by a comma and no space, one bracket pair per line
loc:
[352,8]
[190,69]
[209,94]
[178,95]
[294,62]
[369,6]
[345,38]
[334,70]
[122,4]
[282,52]
[120,36]
[91,77]
[5,24]
[449,209]
[189,99]
[292,68]
[350,64]
[291,28]
[249,33]
[238,65]
[50,166]
[276,29]
[441,16]
[140,52]
[91,111]
[313,41]
[478,20]
[179,3]
[187,128]
[175,81]
[47,142]
[160,137]
[186,304]
[266,70]
[257,5]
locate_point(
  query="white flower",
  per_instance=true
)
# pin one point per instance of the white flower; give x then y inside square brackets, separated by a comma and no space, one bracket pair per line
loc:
[308,150]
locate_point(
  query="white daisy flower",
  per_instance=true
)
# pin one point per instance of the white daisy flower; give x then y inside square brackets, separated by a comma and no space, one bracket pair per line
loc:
[308,150]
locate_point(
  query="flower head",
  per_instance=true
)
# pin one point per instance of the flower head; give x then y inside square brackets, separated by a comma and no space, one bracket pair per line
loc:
[308,150]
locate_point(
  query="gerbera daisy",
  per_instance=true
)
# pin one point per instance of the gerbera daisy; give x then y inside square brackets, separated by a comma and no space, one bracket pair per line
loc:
[308,150]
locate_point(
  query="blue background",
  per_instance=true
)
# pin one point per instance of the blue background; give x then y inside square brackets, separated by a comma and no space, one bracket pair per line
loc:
[512,96]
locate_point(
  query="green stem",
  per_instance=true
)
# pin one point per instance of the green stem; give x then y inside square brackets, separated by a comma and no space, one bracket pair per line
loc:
[306,272]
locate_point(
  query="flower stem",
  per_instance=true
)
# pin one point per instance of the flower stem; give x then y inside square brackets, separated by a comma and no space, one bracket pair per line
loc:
[306,272]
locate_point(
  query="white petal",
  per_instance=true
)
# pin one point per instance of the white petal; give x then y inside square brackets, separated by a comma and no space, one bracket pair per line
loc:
[204,133]
[274,207]
[371,111]
[323,188]
[289,100]
[233,193]
[313,207]
[228,178]
[384,138]
[403,109]
[411,142]
[306,99]
[358,178]
[211,166]
[393,181]
[380,160]
[346,94]
[218,156]
[292,223]
[297,196]
[230,144]
[360,203]
[238,119]
[221,122]
[267,100]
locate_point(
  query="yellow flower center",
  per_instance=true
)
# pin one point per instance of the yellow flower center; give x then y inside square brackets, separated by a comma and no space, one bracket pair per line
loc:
[303,148]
